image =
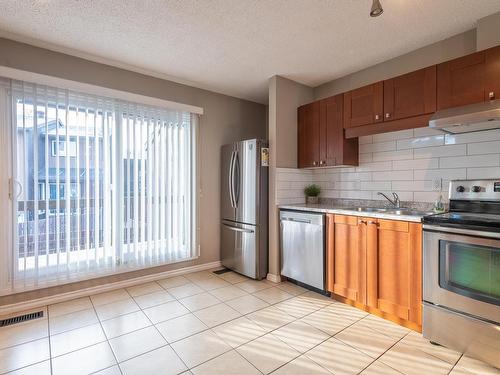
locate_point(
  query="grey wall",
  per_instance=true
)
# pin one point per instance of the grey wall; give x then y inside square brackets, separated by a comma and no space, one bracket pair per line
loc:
[226,119]
[488,32]
[284,98]
[456,46]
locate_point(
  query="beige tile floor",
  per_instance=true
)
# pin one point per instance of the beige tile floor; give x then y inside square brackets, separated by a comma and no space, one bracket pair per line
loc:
[202,323]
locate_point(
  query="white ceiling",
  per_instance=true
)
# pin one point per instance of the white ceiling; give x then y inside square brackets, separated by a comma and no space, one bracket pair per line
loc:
[235,46]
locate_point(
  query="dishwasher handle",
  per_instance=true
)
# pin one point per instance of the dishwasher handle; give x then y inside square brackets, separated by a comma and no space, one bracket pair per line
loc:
[305,221]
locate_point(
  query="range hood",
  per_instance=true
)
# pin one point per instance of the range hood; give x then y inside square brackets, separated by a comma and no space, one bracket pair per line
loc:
[468,118]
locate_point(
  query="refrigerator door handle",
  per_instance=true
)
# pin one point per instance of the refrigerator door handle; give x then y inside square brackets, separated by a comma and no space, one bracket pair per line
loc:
[236,229]
[230,180]
[236,179]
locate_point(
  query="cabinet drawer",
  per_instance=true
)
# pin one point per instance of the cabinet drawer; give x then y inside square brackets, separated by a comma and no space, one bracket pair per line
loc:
[394,225]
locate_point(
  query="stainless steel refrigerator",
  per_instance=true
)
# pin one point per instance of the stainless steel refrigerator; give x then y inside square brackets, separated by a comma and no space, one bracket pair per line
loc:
[244,207]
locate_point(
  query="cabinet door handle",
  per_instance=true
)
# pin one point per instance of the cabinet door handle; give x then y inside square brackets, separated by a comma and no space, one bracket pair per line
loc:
[321,162]
[315,163]
[372,223]
[377,117]
[387,115]
[491,95]
[361,222]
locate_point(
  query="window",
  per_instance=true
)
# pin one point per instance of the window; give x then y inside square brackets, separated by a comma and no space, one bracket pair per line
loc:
[100,185]
[61,149]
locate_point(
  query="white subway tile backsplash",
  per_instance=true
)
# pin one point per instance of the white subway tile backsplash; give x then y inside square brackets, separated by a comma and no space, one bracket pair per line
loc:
[393,176]
[428,196]
[412,185]
[357,176]
[365,139]
[392,155]
[376,185]
[415,164]
[406,162]
[392,136]
[480,173]
[434,140]
[483,148]
[484,136]
[375,166]
[435,151]
[470,161]
[366,158]
[447,174]
[376,147]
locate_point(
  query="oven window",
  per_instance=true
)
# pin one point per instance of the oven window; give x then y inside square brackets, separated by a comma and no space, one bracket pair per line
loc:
[470,270]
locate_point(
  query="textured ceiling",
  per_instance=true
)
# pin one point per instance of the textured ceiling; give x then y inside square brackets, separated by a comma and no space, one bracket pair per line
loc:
[235,46]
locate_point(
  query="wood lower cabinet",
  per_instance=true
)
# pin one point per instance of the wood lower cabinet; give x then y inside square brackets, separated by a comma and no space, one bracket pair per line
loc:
[376,265]
[348,256]
[394,268]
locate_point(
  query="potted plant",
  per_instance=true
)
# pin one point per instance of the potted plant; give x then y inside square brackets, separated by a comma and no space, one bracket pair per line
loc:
[312,194]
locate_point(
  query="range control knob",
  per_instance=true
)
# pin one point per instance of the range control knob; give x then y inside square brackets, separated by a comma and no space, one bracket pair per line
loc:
[476,189]
[460,189]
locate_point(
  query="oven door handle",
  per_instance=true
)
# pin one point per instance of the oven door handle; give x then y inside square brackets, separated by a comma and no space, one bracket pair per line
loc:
[470,232]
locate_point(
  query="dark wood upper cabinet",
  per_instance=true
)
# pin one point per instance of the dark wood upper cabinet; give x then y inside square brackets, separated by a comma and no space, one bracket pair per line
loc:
[308,135]
[411,94]
[469,79]
[492,73]
[334,148]
[321,140]
[461,81]
[364,106]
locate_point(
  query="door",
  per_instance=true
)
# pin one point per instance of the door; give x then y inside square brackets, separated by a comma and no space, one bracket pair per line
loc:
[246,177]
[334,148]
[228,210]
[461,81]
[394,268]
[409,95]
[349,262]
[364,106]
[239,247]
[308,135]
[463,273]
[492,74]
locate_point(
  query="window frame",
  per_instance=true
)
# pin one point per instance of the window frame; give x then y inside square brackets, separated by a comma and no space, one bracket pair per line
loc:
[8,184]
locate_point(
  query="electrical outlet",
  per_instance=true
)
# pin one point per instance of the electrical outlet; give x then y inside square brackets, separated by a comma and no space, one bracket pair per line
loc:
[436,184]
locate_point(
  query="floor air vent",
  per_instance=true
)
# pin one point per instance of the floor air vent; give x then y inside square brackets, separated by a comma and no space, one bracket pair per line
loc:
[20,318]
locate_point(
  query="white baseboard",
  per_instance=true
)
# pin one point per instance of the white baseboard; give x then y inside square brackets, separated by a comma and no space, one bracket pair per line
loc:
[274,278]
[43,301]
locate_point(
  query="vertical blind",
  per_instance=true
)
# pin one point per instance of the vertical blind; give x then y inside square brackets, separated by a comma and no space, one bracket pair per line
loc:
[99,185]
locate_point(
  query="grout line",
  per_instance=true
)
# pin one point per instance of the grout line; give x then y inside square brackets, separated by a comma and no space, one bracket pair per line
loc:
[456,363]
[50,340]
[295,319]
[104,333]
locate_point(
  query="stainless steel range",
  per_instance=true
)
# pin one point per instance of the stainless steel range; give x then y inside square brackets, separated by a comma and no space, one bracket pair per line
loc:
[461,265]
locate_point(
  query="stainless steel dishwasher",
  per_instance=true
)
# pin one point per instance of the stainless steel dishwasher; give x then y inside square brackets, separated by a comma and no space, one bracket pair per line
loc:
[303,247]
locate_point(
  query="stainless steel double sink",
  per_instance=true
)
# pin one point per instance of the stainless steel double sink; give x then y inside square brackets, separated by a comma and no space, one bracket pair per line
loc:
[392,211]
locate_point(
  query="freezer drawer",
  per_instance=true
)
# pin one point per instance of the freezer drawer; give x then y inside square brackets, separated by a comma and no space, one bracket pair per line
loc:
[303,247]
[239,248]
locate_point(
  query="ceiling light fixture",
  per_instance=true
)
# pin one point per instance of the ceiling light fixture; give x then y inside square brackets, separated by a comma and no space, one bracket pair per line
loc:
[377,9]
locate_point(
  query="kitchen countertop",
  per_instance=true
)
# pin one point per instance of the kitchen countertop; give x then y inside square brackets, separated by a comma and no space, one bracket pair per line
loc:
[333,209]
